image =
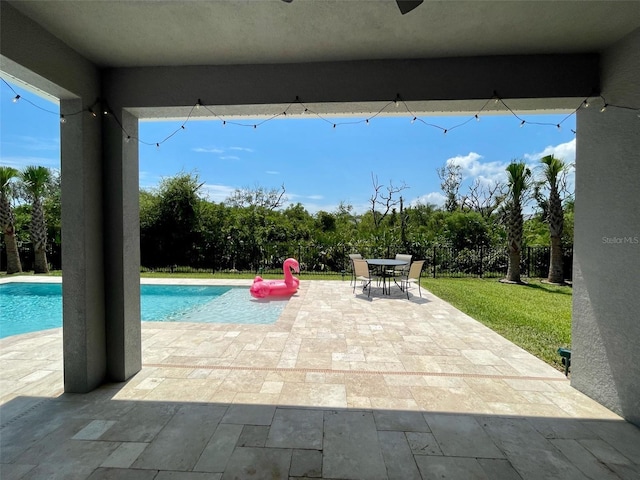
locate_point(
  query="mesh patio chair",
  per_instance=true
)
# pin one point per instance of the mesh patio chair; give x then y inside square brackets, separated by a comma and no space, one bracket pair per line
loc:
[402,269]
[352,257]
[413,276]
[361,272]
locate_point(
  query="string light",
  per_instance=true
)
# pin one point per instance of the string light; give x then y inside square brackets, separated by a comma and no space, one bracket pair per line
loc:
[104,108]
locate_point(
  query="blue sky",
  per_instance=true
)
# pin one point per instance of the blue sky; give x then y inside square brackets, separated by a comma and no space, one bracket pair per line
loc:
[319,165]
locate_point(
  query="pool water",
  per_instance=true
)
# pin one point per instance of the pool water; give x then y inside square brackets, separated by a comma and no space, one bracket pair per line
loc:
[30,307]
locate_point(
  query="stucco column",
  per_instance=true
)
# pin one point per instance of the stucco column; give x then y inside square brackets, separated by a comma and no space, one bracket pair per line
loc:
[606,293]
[122,246]
[84,341]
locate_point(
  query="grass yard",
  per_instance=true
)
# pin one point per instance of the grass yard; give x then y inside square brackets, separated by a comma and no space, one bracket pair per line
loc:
[536,316]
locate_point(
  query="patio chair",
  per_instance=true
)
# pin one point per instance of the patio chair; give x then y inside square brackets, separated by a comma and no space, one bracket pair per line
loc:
[361,272]
[413,276]
[402,269]
[353,256]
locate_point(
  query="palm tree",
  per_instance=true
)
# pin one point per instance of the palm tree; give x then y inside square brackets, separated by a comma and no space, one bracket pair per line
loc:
[35,181]
[555,216]
[518,182]
[7,220]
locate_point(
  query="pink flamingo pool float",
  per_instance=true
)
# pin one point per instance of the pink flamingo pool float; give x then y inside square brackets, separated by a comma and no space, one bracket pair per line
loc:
[277,288]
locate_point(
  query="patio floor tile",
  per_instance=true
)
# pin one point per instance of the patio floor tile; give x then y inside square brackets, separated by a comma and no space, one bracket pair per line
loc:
[341,387]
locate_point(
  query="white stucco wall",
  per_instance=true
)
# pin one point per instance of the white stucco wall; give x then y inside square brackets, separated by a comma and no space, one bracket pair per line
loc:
[606,298]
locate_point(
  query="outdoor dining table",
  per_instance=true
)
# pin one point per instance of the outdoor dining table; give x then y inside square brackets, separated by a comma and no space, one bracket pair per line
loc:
[382,264]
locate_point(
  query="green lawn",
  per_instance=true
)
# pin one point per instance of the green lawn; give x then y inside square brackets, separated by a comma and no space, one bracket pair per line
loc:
[536,316]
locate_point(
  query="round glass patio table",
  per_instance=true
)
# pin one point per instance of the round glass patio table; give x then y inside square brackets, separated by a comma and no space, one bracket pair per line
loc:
[386,262]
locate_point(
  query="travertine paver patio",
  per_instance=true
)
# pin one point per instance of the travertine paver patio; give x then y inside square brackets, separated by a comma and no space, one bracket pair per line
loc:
[341,387]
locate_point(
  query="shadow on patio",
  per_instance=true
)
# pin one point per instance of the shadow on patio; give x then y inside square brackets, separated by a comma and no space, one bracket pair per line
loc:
[95,436]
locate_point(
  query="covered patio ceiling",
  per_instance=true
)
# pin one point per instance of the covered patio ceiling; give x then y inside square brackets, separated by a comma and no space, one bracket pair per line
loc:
[245,41]
[147,33]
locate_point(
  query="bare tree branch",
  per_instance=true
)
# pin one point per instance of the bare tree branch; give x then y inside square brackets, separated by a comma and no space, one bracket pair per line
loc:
[383,198]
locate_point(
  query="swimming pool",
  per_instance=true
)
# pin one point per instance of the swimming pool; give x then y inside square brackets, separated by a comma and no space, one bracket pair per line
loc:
[30,307]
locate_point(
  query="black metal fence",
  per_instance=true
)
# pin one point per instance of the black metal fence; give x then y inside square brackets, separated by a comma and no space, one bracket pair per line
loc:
[314,258]
[440,261]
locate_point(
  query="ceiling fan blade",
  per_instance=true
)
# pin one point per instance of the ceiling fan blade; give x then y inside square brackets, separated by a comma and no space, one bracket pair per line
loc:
[406,6]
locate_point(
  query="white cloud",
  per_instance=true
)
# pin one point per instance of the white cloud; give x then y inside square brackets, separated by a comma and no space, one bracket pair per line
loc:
[208,150]
[229,157]
[21,162]
[299,197]
[217,193]
[472,168]
[36,143]
[272,172]
[242,149]
[433,198]
[564,151]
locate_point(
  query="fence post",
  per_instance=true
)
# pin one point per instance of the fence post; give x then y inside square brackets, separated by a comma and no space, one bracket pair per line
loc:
[434,261]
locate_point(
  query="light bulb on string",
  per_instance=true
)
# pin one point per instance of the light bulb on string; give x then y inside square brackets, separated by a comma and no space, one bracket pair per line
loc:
[477,118]
[93,114]
[16,99]
[127,139]
[444,132]
[198,104]
[157,146]
[604,108]
[522,123]
[558,127]
[585,104]
[367,121]
[413,120]
[62,119]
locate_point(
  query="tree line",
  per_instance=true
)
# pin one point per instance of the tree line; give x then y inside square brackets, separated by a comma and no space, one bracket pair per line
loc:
[179,226]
